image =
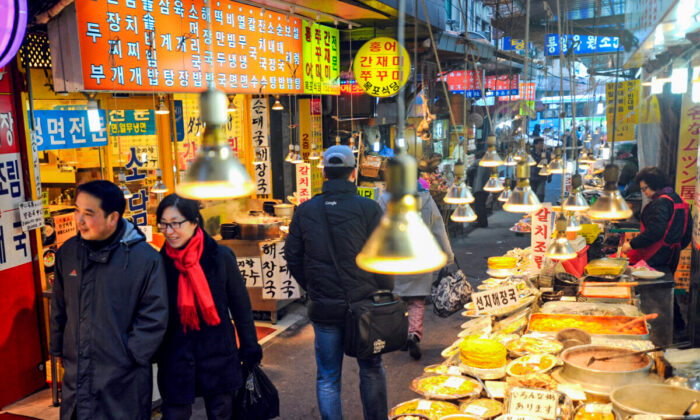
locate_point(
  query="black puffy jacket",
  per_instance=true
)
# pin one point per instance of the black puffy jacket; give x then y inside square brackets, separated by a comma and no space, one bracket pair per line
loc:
[352,220]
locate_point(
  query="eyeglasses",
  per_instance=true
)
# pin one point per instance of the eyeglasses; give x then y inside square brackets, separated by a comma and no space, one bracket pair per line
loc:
[171,225]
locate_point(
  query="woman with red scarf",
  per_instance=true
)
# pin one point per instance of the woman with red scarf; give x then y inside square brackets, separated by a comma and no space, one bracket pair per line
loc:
[199,356]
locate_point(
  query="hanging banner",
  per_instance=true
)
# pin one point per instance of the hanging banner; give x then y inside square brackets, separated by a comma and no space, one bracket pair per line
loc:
[278,282]
[582,44]
[627,108]
[321,59]
[56,130]
[260,129]
[167,46]
[132,122]
[541,233]
[686,167]
[381,67]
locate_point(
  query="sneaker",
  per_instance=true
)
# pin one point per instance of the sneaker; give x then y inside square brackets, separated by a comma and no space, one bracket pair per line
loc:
[413,347]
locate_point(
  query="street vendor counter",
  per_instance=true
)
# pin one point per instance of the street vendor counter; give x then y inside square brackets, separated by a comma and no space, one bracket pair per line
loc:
[270,285]
[656,296]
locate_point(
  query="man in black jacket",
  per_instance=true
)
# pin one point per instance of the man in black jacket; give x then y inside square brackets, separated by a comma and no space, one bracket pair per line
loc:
[351,219]
[109,310]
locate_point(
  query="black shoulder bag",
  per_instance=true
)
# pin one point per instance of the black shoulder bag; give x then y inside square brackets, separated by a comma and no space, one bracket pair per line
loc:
[374,325]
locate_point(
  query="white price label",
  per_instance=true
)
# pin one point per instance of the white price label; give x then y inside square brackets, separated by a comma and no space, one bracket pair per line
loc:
[497,389]
[476,410]
[453,370]
[454,382]
[573,391]
[495,299]
[598,408]
[424,405]
[534,359]
[526,401]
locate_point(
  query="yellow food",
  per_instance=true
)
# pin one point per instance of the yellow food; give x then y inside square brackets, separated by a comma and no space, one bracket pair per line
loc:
[535,363]
[482,407]
[443,385]
[500,263]
[483,353]
[433,409]
[595,412]
[534,345]
[606,267]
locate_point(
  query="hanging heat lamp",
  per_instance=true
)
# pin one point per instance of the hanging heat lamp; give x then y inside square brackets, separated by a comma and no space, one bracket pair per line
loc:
[572,222]
[610,205]
[122,186]
[297,155]
[232,103]
[277,106]
[159,187]
[216,173]
[494,184]
[575,201]
[505,195]
[162,109]
[463,214]
[314,155]
[556,166]
[522,199]
[491,158]
[560,248]
[290,155]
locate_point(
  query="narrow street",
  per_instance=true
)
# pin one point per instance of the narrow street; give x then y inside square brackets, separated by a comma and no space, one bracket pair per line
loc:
[289,357]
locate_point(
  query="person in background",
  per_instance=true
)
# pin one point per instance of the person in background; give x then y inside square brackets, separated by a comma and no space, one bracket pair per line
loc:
[350,220]
[538,182]
[414,288]
[109,310]
[626,182]
[479,176]
[199,355]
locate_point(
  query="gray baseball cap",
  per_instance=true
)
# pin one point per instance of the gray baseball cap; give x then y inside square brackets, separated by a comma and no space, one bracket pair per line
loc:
[339,157]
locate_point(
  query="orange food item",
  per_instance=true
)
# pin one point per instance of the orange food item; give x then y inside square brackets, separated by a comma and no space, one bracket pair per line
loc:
[595,412]
[588,323]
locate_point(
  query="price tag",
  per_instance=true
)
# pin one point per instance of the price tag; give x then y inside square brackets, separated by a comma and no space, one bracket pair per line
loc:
[453,370]
[494,300]
[424,405]
[528,402]
[454,382]
[497,389]
[573,391]
[534,359]
[476,410]
[598,408]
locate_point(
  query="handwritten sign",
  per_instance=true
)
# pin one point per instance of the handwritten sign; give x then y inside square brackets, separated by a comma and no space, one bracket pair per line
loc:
[57,130]
[528,402]
[32,215]
[496,299]
[303,181]
[251,270]
[65,227]
[278,282]
[540,233]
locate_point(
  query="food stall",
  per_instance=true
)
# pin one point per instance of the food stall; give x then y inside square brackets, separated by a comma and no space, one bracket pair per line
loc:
[585,348]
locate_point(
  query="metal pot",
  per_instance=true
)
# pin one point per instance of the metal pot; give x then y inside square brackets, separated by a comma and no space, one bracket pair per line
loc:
[284,210]
[600,382]
[665,401]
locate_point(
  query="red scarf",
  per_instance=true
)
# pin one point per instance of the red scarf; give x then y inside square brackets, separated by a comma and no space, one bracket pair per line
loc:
[192,284]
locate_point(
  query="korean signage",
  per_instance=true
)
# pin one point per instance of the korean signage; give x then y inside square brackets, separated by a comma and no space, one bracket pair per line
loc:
[582,44]
[507,43]
[57,130]
[533,402]
[278,282]
[251,270]
[381,66]
[686,169]
[137,205]
[303,181]
[321,59]
[528,88]
[494,300]
[627,108]
[65,227]
[367,192]
[132,122]
[349,87]
[470,83]
[260,129]
[541,233]
[168,46]
[31,215]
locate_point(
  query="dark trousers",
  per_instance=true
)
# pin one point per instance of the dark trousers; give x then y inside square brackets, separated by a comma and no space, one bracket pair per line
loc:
[219,407]
[482,214]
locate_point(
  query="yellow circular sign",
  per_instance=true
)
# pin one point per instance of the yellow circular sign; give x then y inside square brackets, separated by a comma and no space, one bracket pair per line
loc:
[381,67]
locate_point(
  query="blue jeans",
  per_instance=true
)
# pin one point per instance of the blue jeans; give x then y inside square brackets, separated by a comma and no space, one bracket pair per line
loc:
[328,342]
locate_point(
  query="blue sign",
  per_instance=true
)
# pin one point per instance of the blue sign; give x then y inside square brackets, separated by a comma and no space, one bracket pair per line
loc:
[582,44]
[57,130]
[132,122]
[179,120]
[509,44]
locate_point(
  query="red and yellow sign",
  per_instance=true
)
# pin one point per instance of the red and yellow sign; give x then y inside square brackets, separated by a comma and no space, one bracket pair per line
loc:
[627,108]
[321,59]
[169,47]
[687,164]
[381,67]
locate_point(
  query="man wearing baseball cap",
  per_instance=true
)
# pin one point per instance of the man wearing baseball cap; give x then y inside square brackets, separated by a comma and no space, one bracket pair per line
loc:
[337,223]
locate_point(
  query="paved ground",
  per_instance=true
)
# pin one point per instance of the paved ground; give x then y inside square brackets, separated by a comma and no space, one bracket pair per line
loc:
[289,358]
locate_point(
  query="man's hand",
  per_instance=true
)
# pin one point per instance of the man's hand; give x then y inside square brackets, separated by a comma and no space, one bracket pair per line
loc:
[626,247]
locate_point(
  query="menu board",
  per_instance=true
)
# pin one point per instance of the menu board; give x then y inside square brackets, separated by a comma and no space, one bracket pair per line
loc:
[180,46]
[278,282]
[321,59]
[381,67]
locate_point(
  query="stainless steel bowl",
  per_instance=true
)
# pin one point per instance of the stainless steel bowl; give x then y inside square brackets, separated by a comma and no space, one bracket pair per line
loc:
[665,401]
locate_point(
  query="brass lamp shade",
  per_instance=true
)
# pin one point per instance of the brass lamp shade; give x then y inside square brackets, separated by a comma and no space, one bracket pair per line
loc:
[314,155]
[494,184]
[297,156]
[402,243]
[277,106]
[522,199]
[572,223]
[505,195]
[491,158]
[560,248]
[463,214]
[126,191]
[556,166]
[575,201]
[459,193]
[543,163]
[510,160]
[216,173]
[159,187]
[526,157]
[290,155]
[544,171]
[610,205]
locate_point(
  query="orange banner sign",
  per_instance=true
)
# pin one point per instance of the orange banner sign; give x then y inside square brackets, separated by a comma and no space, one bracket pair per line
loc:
[179,46]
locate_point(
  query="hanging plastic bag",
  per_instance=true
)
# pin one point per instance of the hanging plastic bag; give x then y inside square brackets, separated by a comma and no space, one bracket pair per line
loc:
[258,398]
[450,292]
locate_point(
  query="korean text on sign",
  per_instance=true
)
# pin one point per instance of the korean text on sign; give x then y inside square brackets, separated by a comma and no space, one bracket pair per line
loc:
[32,215]
[687,163]
[277,281]
[303,172]
[251,270]
[495,299]
[381,66]
[68,130]
[533,402]
[541,233]
[139,46]
[321,59]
